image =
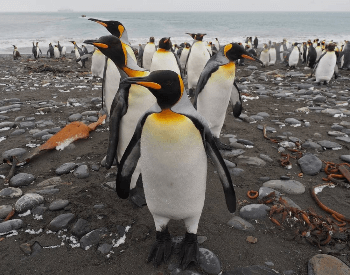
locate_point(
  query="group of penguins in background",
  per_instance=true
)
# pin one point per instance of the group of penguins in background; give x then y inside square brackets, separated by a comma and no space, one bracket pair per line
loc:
[160,137]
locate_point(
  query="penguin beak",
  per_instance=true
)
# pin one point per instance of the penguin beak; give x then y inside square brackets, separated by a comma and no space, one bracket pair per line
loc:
[250,57]
[96,43]
[141,81]
[99,22]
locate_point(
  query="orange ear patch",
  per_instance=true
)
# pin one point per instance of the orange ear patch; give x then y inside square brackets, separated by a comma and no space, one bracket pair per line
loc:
[227,48]
[121,30]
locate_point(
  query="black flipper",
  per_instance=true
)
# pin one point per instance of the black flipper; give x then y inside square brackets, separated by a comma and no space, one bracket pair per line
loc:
[189,250]
[104,80]
[118,110]
[161,249]
[236,100]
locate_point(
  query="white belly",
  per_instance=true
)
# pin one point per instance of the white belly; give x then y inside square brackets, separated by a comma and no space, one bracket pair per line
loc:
[319,53]
[183,58]
[265,57]
[164,61]
[325,68]
[196,62]
[56,52]
[272,54]
[64,49]
[148,52]
[212,102]
[294,57]
[140,100]
[111,84]
[131,52]
[174,170]
[97,64]
[77,55]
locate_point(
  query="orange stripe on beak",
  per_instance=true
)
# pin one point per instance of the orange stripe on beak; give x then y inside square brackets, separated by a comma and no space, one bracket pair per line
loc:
[151,85]
[100,45]
[103,24]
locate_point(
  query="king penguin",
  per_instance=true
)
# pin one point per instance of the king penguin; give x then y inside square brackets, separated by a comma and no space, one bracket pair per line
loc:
[78,52]
[62,50]
[129,103]
[184,55]
[51,51]
[264,56]
[216,88]
[197,58]
[175,142]
[148,53]
[164,58]
[38,51]
[15,53]
[325,67]
[34,51]
[97,63]
[56,52]
[311,55]
[256,42]
[345,56]
[294,56]
[272,54]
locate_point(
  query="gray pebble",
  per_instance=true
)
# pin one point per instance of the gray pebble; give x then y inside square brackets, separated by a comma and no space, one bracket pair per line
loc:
[292,121]
[264,191]
[60,222]
[336,134]
[288,186]
[18,132]
[236,171]
[80,228]
[254,211]
[5,210]
[98,206]
[112,184]
[2,117]
[65,168]
[209,262]
[251,270]
[201,239]
[345,139]
[229,164]
[337,127]
[345,158]
[40,134]
[266,158]
[28,201]
[284,178]
[268,129]
[48,191]
[82,172]
[329,144]
[233,153]
[105,248]
[310,164]
[50,182]
[74,117]
[237,145]
[39,210]
[21,179]
[8,226]
[263,114]
[331,112]
[6,124]
[11,192]
[311,145]
[294,139]
[251,161]
[92,238]
[46,137]
[291,203]
[245,142]
[240,224]
[263,179]
[322,264]
[95,167]
[257,118]
[17,152]
[27,125]
[54,130]
[58,205]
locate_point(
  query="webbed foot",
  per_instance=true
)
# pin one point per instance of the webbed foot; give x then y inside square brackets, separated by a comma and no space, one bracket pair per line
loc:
[189,250]
[161,249]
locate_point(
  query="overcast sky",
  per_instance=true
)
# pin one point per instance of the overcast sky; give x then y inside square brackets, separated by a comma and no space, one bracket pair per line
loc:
[175,5]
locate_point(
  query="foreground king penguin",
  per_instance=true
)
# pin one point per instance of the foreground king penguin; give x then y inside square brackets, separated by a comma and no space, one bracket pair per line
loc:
[216,88]
[175,141]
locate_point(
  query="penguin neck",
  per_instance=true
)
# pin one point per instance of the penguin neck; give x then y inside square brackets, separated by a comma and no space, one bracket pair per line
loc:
[132,69]
[167,115]
[163,50]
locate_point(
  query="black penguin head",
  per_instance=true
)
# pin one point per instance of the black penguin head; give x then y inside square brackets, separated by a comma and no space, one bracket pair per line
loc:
[330,47]
[112,47]
[197,36]
[234,52]
[165,43]
[167,86]
[188,45]
[114,27]
[151,39]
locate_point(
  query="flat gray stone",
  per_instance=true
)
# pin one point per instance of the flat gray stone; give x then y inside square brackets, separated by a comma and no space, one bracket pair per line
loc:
[209,262]
[21,179]
[288,186]
[17,132]
[254,211]
[47,191]
[82,172]
[240,224]
[251,161]
[336,134]
[291,203]
[8,226]
[251,270]
[233,153]
[268,129]
[292,121]
[345,158]
[331,112]
[236,171]
[40,134]
[6,124]
[322,264]
[329,144]
[310,164]
[105,248]
[80,228]
[229,164]
[58,205]
[345,139]
[60,222]
[263,114]
[5,210]
[74,117]
[311,145]
[27,125]
[264,191]
[15,152]
[50,182]
[265,158]
[92,238]
[65,168]
[11,192]
[28,201]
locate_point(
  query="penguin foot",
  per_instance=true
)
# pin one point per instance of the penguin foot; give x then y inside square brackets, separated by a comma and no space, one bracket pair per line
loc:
[223,146]
[189,250]
[161,249]
[137,197]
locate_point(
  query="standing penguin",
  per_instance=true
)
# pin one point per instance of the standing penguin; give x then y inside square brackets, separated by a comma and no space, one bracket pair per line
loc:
[164,58]
[209,44]
[256,42]
[78,52]
[318,51]
[15,53]
[175,141]
[148,53]
[98,63]
[216,45]
[59,47]
[197,58]
[326,65]
[129,104]
[56,52]
[38,51]
[311,55]
[85,51]
[294,56]
[216,88]
[272,54]
[62,50]
[34,51]
[140,56]
[345,56]
[184,55]
[51,51]
[264,56]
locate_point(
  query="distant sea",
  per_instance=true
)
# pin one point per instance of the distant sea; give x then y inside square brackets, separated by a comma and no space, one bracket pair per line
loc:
[21,29]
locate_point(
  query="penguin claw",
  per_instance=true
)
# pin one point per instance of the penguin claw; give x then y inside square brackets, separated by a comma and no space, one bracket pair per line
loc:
[161,249]
[189,250]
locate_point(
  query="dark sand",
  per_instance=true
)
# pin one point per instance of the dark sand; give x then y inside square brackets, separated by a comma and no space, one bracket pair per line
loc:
[274,244]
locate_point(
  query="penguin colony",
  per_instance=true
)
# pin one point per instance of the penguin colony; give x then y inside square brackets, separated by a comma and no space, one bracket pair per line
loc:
[158,136]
